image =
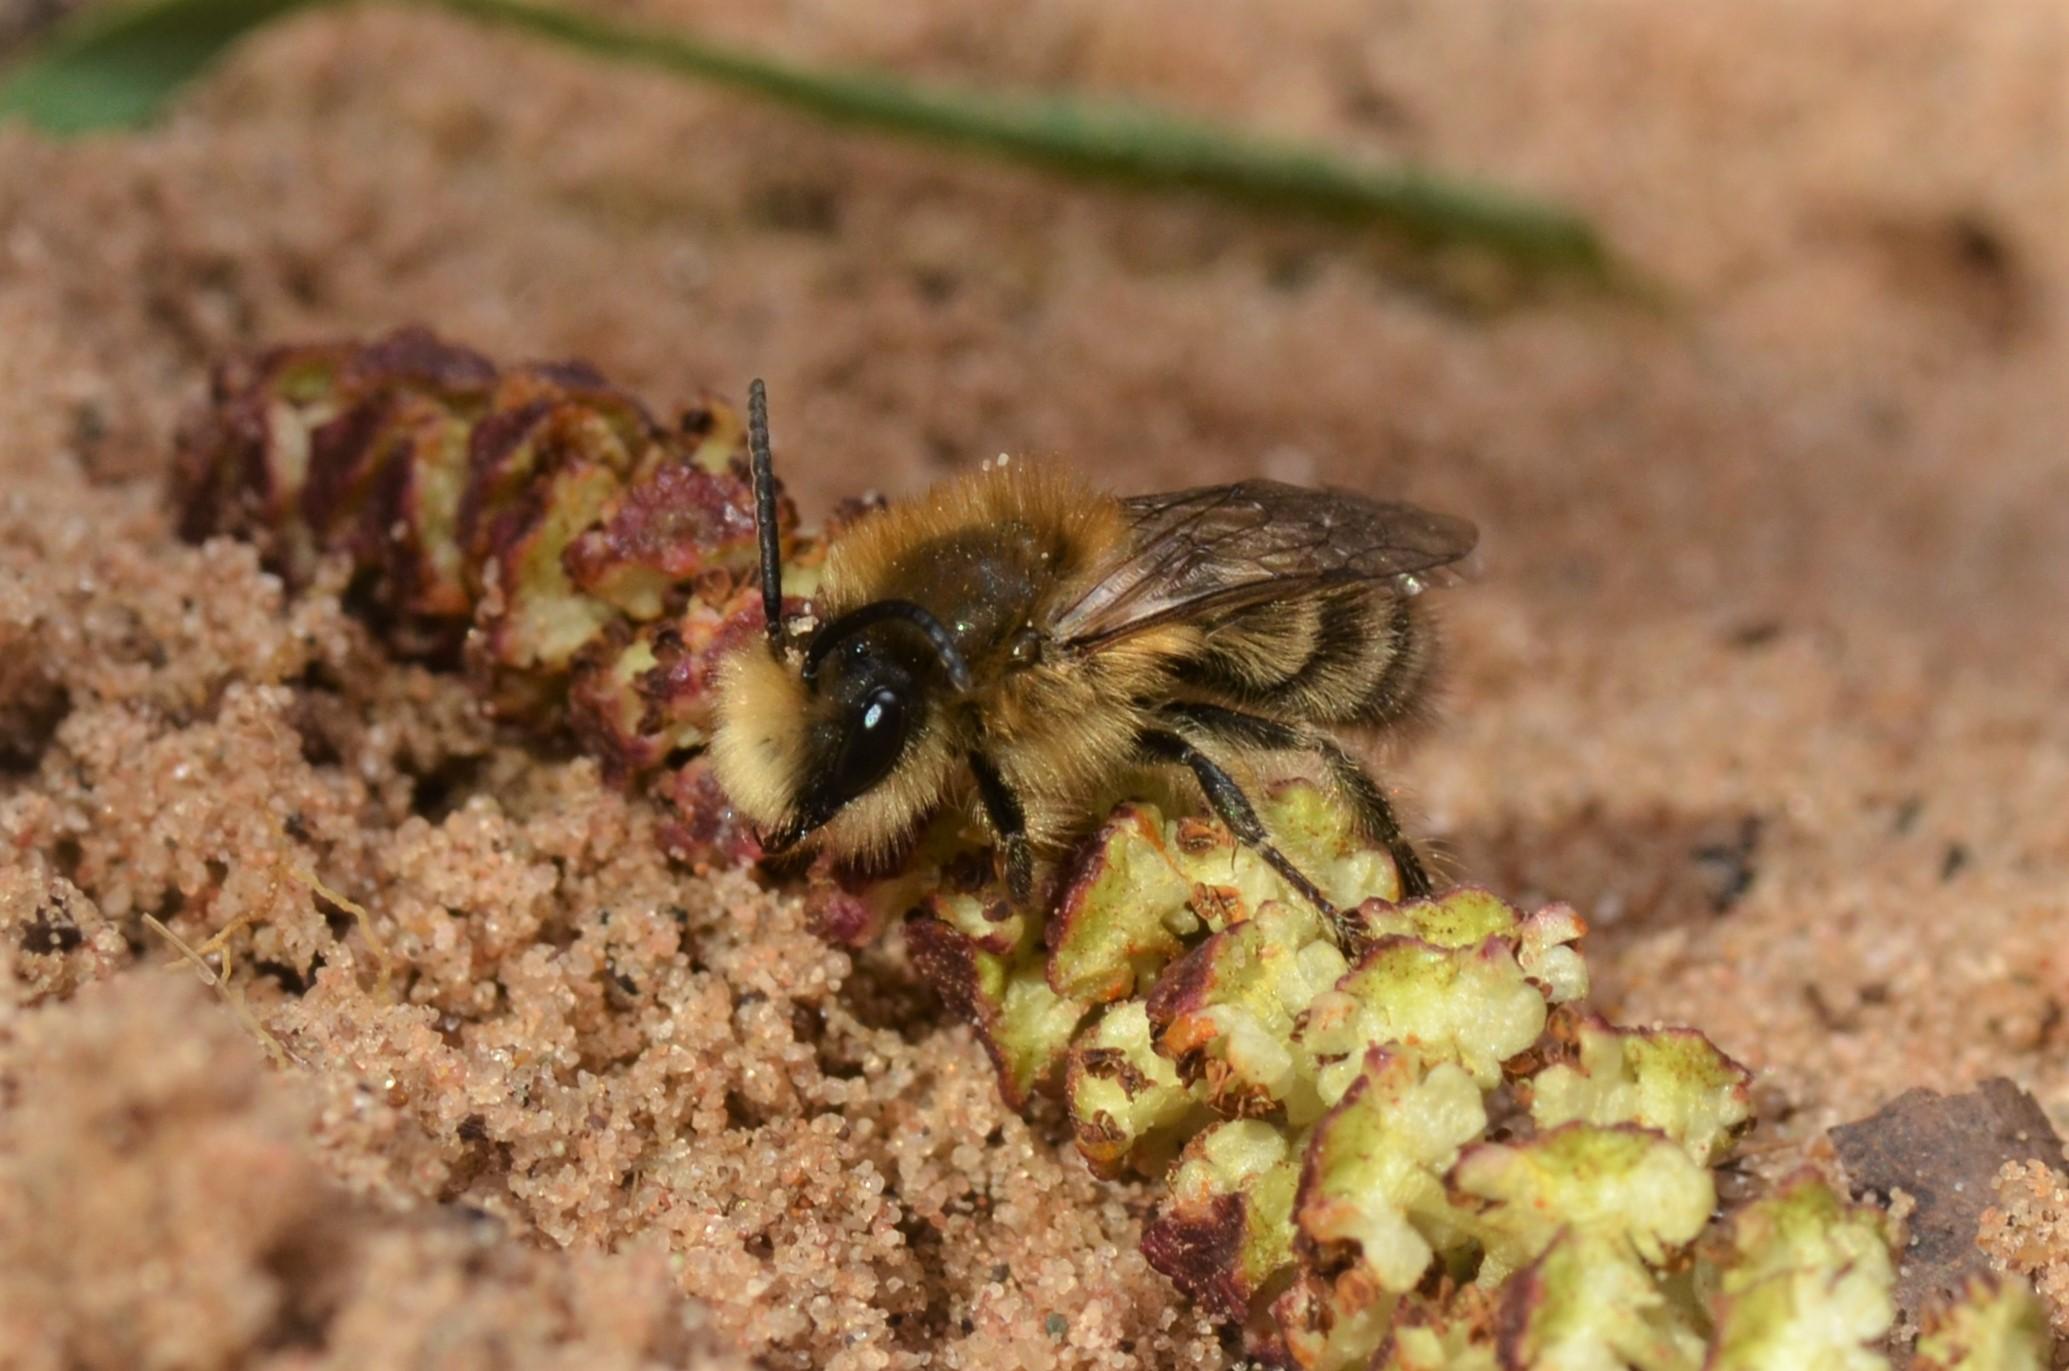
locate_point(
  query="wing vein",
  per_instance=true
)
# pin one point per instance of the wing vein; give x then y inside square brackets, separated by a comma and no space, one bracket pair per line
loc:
[1216,549]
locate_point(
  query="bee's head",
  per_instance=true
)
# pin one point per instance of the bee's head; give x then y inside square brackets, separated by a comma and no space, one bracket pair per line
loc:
[833,742]
[837,743]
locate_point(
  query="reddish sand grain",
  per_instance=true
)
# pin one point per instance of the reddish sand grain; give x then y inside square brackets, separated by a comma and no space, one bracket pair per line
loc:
[2027,1233]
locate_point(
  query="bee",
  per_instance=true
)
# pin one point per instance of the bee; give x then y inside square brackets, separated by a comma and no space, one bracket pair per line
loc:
[1014,641]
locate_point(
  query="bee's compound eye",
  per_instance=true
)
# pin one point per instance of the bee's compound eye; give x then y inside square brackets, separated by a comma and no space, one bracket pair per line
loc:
[874,739]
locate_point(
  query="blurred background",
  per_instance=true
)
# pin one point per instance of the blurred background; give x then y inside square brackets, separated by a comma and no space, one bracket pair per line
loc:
[1765,669]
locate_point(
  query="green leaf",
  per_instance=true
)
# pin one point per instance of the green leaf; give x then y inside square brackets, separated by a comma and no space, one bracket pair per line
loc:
[118,66]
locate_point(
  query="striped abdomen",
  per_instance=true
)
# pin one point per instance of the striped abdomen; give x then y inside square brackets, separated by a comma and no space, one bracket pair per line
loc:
[1356,657]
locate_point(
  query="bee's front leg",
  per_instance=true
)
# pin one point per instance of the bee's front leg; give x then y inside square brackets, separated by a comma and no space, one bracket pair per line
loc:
[1009,820]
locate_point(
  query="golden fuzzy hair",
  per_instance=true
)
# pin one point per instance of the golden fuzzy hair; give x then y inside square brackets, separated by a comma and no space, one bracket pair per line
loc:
[872,557]
[757,748]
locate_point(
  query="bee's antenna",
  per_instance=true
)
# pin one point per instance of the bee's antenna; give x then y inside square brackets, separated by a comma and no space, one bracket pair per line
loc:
[855,620]
[765,512]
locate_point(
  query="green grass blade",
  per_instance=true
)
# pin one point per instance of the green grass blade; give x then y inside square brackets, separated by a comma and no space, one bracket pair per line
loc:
[1131,146]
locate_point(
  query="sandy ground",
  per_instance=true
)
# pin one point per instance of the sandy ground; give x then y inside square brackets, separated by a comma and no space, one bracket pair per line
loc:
[1764,673]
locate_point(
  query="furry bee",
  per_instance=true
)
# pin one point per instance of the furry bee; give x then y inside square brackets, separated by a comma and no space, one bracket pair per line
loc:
[1014,641]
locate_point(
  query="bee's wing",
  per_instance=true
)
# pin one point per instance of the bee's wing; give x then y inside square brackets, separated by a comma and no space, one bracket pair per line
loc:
[1193,553]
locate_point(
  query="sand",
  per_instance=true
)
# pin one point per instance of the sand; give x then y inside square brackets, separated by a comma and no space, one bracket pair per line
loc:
[1763,672]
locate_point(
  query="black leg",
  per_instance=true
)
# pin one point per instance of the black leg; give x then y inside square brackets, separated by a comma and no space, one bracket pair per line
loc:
[1234,807]
[1009,821]
[765,511]
[1374,816]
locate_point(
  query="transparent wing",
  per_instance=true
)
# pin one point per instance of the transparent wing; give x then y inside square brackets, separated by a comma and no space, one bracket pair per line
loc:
[1195,553]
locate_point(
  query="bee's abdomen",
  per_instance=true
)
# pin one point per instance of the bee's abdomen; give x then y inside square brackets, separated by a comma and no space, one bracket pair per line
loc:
[1354,657]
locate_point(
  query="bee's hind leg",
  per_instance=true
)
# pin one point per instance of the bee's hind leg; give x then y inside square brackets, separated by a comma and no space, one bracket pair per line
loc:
[1233,806]
[1369,807]
[1009,820]
[1375,815]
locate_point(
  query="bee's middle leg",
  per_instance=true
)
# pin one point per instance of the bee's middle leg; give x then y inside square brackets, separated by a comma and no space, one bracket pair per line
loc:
[1008,819]
[1374,816]
[1233,806]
